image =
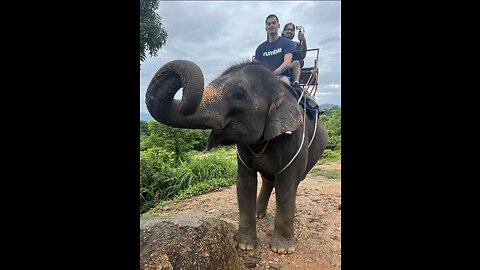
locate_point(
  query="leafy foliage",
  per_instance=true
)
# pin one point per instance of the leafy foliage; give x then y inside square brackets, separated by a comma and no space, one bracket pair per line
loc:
[162,178]
[144,128]
[213,166]
[152,34]
[174,165]
[176,140]
[156,179]
[205,187]
[329,174]
[329,154]
[332,121]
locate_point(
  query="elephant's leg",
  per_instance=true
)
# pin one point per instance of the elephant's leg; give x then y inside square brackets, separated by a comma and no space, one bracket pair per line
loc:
[246,236]
[283,239]
[264,196]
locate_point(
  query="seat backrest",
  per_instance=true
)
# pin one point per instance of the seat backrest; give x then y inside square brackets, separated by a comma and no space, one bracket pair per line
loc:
[305,76]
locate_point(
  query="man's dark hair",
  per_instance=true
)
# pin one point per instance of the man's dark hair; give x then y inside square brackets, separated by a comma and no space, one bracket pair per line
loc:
[271,16]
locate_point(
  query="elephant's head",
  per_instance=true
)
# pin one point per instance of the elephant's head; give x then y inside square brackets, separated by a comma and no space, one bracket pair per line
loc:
[246,104]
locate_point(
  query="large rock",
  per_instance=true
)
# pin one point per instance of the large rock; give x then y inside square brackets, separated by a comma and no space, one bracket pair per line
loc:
[186,242]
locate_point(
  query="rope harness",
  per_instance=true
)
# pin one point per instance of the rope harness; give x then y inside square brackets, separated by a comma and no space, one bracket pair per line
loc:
[301,144]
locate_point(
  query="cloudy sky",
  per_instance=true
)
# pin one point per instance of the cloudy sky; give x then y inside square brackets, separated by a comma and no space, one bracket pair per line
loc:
[217,34]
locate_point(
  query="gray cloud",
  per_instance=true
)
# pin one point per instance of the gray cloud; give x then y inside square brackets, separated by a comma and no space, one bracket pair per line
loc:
[216,35]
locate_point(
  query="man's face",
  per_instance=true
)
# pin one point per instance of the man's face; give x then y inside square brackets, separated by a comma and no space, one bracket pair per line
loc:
[272,25]
[289,31]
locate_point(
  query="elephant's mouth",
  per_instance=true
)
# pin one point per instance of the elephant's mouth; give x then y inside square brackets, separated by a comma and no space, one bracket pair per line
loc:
[233,132]
[226,135]
[214,139]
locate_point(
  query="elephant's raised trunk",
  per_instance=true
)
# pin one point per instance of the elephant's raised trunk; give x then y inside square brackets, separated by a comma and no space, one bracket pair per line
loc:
[161,91]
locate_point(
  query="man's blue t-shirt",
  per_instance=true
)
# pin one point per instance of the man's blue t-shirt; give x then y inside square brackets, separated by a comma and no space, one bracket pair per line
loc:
[271,54]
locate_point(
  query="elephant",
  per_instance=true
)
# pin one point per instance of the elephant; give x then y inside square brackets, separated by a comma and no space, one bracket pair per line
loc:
[246,106]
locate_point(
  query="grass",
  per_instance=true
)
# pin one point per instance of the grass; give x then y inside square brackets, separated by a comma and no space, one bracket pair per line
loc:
[194,190]
[205,187]
[204,173]
[216,169]
[329,174]
[329,156]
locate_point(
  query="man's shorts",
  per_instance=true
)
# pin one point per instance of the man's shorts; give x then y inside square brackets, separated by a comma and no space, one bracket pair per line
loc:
[282,75]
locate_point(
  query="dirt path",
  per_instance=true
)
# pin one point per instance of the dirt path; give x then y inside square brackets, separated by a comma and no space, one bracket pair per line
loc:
[317,223]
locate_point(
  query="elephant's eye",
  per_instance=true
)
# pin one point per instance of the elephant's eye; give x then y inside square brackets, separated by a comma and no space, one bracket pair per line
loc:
[239,94]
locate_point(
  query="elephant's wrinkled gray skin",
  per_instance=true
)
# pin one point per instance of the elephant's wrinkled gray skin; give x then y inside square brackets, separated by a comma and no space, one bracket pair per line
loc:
[249,107]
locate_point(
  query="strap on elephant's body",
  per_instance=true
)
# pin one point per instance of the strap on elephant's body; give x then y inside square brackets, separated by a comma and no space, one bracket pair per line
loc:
[315,129]
[309,104]
[243,162]
[300,148]
[259,153]
[298,151]
[316,115]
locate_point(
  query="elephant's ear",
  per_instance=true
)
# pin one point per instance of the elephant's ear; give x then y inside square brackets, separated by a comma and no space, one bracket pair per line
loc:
[283,115]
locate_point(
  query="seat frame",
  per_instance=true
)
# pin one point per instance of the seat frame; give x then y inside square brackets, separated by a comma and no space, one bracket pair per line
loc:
[309,76]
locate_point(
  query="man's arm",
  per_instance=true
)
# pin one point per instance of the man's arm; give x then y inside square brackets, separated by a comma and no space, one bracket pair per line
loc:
[303,42]
[257,56]
[287,59]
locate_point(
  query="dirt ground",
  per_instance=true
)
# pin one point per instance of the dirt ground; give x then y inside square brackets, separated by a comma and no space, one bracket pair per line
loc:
[317,223]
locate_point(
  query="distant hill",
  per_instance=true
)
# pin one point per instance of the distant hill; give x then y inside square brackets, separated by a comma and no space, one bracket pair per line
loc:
[147,117]
[327,106]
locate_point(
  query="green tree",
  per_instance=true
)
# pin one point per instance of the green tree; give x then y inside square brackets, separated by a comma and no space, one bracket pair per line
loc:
[332,120]
[176,140]
[152,34]
[144,128]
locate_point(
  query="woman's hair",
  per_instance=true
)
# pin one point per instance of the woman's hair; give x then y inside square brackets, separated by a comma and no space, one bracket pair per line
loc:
[285,27]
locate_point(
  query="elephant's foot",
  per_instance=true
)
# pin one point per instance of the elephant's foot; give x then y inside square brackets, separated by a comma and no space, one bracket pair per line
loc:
[282,245]
[244,242]
[261,212]
[262,208]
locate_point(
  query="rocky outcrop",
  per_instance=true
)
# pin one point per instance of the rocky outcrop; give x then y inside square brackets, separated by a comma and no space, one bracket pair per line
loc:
[186,242]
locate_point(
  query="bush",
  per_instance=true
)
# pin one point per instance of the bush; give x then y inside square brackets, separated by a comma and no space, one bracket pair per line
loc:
[162,178]
[332,122]
[205,187]
[155,176]
[212,166]
[330,154]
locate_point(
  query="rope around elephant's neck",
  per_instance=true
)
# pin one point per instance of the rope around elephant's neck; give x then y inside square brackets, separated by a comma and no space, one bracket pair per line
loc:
[303,138]
[294,157]
[263,149]
[243,162]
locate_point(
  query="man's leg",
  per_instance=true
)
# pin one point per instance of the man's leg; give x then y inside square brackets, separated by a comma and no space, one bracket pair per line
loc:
[295,70]
[295,65]
[284,79]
